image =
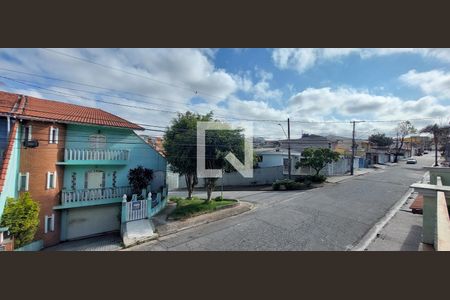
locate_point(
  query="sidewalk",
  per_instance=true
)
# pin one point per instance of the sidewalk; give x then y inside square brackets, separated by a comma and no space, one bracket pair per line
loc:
[359,172]
[165,227]
[402,233]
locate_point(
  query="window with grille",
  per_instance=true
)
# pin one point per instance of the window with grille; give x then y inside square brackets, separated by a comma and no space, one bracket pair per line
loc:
[97,141]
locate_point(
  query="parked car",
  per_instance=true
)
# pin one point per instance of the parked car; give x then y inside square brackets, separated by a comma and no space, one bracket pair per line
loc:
[411,161]
[425,152]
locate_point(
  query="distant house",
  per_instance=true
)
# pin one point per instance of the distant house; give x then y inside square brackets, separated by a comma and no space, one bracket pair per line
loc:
[377,154]
[74,161]
[277,157]
[309,141]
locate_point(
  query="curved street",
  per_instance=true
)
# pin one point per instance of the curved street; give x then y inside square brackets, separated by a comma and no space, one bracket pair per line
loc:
[334,217]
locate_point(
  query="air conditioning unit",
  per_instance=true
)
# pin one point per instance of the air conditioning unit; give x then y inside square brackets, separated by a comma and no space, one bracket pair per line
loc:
[31,143]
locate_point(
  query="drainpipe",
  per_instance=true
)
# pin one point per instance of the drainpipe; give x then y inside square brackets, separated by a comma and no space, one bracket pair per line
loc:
[8,125]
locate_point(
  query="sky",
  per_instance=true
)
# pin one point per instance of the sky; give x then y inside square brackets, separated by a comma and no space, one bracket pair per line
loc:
[320,90]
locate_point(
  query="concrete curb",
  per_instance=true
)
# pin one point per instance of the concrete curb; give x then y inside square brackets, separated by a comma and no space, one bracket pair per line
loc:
[371,235]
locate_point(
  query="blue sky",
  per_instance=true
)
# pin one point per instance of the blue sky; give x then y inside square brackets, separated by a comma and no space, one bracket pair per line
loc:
[311,86]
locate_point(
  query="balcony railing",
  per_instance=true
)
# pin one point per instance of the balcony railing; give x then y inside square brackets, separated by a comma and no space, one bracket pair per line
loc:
[95,154]
[86,195]
[436,220]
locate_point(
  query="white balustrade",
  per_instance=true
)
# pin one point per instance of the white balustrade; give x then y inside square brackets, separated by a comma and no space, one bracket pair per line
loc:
[85,195]
[95,154]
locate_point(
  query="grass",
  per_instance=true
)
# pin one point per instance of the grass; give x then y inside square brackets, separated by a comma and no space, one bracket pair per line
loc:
[196,206]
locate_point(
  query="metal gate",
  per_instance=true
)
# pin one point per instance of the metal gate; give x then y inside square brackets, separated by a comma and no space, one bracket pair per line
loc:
[136,210]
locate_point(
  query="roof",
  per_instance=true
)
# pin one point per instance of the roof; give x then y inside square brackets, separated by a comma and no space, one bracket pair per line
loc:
[42,109]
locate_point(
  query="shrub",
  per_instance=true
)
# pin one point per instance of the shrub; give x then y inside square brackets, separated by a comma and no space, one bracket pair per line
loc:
[318,178]
[288,184]
[139,178]
[21,216]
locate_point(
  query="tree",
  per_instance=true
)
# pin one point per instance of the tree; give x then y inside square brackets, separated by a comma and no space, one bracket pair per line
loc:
[21,216]
[218,143]
[403,129]
[317,158]
[139,179]
[439,132]
[380,139]
[180,146]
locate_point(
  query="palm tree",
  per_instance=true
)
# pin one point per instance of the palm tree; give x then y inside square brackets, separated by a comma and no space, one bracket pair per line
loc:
[438,132]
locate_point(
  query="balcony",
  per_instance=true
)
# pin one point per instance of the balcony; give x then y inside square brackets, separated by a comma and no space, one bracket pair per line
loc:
[95,157]
[436,201]
[88,197]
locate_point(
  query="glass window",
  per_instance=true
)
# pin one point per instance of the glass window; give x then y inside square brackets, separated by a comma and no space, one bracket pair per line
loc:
[97,141]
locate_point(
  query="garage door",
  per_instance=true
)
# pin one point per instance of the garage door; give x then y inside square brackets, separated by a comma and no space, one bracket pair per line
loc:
[88,221]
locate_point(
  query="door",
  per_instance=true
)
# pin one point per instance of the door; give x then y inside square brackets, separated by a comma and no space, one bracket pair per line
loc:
[95,179]
[88,221]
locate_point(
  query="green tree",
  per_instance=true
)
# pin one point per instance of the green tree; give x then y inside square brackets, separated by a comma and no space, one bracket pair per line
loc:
[380,139]
[403,129]
[218,143]
[139,178]
[180,146]
[440,133]
[317,158]
[21,216]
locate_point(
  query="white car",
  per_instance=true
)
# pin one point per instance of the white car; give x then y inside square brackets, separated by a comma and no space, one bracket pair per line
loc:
[411,161]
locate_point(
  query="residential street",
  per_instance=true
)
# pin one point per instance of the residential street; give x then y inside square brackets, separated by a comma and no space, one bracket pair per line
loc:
[334,217]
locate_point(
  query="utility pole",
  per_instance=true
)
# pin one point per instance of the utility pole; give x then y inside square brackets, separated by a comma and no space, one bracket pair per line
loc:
[289,148]
[353,149]
[353,146]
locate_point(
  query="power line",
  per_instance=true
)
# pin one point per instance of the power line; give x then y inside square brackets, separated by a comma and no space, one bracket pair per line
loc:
[131,73]
[55,92]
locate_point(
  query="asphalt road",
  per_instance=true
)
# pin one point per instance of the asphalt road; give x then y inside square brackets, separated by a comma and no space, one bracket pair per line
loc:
[334,217]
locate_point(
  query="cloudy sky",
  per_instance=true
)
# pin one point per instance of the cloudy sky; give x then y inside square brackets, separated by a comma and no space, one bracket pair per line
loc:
[320,90]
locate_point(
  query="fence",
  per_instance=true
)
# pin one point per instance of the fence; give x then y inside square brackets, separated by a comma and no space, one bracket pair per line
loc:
[142,209]
[136,210]
[260,176]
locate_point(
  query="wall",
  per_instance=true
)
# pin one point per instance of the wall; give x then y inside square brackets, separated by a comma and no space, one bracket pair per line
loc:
[260,176]
[116,139]
[271,160]
[10,183]
[38,161]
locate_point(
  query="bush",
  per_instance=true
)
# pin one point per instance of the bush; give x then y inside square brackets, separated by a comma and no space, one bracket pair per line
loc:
[308,179]
[288,184]
[139,178]
[22,218]
[318,178]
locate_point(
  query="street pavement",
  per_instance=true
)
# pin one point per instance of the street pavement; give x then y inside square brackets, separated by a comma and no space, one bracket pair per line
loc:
[334,217]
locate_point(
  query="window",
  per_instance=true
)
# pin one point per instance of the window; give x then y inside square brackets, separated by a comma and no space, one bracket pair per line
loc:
[23,181]
[97,141]
[53,135]
[49,223]
[51,180]
[27,133]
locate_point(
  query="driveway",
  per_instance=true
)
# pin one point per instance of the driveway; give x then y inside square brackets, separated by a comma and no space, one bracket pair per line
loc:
[334,217]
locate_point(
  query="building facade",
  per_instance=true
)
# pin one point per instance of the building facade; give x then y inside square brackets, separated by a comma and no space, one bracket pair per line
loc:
[74,161]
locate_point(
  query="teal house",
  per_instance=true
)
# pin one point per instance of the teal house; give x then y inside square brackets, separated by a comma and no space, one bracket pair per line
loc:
[74,161]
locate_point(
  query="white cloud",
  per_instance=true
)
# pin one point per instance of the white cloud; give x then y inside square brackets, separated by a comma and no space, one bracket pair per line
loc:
[188,70]
[434,82]
[304,59]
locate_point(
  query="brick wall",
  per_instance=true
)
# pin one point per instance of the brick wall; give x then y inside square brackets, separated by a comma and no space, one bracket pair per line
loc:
[38,161]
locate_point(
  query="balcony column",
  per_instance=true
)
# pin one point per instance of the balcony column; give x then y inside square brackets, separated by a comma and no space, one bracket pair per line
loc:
[429,192]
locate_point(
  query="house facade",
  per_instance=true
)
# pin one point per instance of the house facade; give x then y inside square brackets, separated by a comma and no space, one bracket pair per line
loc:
[74,161]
